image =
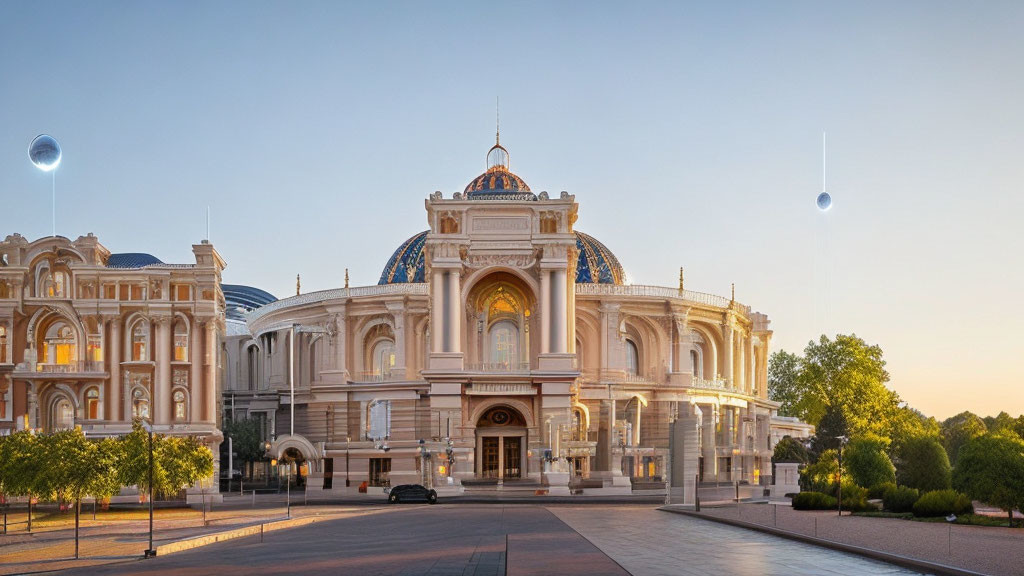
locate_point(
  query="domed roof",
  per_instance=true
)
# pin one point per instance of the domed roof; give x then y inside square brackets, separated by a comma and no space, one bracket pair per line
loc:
[240,299]
[596,263]
[132,260]
[407,263]
[498,182]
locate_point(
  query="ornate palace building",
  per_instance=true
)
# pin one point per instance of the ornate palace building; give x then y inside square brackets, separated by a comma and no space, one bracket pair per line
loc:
[502,349]
[94,339]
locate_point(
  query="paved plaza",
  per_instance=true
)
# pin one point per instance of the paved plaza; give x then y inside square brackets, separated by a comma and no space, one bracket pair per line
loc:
[467,539]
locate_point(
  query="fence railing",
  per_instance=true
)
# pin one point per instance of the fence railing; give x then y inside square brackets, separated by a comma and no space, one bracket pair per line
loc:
[75,367]
[646,291]
[498,367]
[337,293]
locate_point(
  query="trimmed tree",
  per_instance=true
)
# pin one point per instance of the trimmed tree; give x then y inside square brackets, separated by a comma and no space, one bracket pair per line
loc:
[865,459]
[991,469]
[790,450]
[922,463]
[26,468]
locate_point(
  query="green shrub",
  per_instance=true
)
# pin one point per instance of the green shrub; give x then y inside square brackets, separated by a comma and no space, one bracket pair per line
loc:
[942,503]
[813,501]
[821,476]
[866,461]
[923,464]
[878,490]
[855,498]
[900,499]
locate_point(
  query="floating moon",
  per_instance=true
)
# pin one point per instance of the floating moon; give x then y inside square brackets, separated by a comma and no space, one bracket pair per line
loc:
[824,201]
[44,152]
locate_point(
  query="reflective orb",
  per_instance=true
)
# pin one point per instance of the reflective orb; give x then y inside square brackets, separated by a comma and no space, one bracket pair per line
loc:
[44,152]
[824,201]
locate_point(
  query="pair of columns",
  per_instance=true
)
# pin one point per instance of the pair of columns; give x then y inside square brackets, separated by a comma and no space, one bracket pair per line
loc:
[445,292]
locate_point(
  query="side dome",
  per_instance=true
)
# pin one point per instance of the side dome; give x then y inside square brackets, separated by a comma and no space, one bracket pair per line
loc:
[240,299]
[596,263]
[407,263]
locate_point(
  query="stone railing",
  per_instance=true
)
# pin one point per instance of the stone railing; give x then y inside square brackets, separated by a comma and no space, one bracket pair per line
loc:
[645,291]
[413,288]
[70,368]
[712,384]
[499,367]
[378,376]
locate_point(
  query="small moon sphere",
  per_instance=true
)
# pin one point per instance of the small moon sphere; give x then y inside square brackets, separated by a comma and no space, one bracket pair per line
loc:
[44,152]
[824,201]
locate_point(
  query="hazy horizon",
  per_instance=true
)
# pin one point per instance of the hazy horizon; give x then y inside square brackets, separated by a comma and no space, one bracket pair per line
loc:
[690,136]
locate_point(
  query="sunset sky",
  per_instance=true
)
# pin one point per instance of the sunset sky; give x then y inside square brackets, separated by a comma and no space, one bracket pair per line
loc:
[691,136]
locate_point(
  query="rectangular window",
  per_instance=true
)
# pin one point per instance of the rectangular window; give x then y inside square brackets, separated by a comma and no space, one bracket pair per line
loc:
[136,293]
[380,471]
[110,291]
[180,292]
[95,353]
[181,347]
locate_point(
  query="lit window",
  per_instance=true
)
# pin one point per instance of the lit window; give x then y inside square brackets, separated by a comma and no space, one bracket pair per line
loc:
[180,341]
[63,415]
[504,343]
[3,344]
[95,348]
[383,357]
[140,341]
[632,357]
[92,404]
[140,404]
[58,345]
[179,405]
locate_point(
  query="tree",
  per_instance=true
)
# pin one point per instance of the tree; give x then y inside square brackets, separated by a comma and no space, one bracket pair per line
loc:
[26,468]
[991,469]
[783,376]
[922,463]
[790,450]
[185,460]
[831,426]
[958,430]
[908,423]
[177,462]
[999,423]
[866,461]
[1018,426]
[246,441]
[823,475]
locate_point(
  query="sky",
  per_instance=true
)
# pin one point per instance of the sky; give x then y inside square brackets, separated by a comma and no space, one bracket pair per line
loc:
[690,134]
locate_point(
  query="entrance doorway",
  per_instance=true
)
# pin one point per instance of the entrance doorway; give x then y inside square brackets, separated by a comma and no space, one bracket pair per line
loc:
[501,435]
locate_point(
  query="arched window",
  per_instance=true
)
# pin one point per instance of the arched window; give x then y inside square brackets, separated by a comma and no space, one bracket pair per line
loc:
[632,358]
[579,428]
[180,405]
[140,341]
[698,363]
[383,357]
[504,343]
[180,341]
[63,414]
[253,358]
[378,420]
[92,403]
[58,345]
[140,404]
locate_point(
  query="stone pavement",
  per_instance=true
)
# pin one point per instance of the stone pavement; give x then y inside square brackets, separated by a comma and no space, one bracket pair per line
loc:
[647,541]
[985,549]
[107,541]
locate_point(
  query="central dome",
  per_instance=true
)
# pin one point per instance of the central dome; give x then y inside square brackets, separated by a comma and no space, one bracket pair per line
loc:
[498,182]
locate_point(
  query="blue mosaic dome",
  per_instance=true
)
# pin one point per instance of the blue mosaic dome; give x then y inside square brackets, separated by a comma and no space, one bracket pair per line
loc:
[496,181]
[130,260]
[407,263]
[240,299]
[596,264]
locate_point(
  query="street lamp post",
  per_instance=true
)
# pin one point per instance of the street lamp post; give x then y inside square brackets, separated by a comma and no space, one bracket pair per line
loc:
[150,552]
[842,440]
[348,442]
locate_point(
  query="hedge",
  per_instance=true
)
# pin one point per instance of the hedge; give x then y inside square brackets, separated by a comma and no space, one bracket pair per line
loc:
[813,501]
[942,503]
[900,499]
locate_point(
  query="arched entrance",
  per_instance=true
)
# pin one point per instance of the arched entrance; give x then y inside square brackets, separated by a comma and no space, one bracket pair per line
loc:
[294,464]
[501,442]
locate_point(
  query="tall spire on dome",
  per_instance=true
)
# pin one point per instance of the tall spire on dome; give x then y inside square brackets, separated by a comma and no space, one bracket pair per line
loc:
[497,120]
[497,156]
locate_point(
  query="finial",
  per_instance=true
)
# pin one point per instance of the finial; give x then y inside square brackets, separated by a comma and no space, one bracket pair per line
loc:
[346,278]
[733,292]
[298,284]
[680,278]
[497,120]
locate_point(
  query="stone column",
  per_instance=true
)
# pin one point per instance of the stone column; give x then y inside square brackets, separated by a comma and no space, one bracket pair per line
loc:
[558,312]
[397,311]
[454,324]
[545,311]
[210,386]
[195,356]
[161,405]
[709,448]
[341,341]
[437,311]
[751,373]
[114,346]
[728,341]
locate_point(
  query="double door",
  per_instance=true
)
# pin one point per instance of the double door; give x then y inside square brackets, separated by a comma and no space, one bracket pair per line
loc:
[501,456]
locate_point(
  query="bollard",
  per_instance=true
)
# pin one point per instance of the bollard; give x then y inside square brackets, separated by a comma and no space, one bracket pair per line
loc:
[253,498]
[815,527]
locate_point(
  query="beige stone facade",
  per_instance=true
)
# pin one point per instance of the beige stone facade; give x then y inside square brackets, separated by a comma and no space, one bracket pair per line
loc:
[478,362]
[93,339]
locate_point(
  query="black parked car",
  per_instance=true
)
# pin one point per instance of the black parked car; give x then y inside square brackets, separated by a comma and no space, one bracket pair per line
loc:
[412,493]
